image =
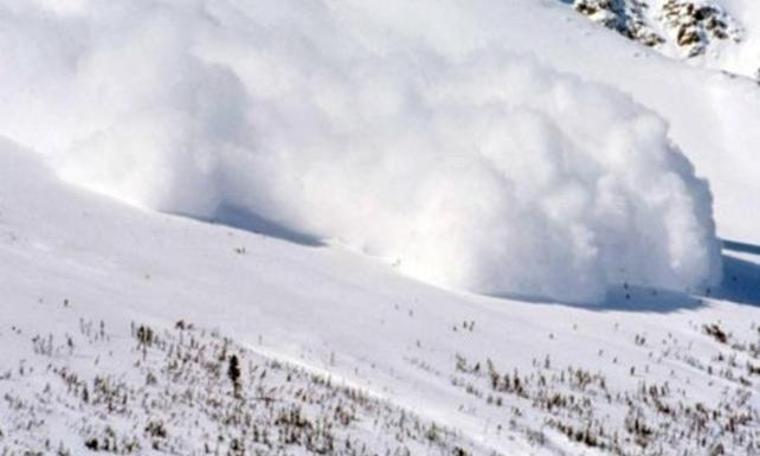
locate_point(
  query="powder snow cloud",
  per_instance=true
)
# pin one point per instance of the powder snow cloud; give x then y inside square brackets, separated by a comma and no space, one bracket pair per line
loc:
[488,172]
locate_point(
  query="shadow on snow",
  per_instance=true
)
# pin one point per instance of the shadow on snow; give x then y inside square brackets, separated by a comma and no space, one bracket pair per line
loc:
[741,278]
[740,284]
[245,220]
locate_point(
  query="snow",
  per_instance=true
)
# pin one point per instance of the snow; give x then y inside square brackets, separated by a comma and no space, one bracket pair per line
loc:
[70,258]
[540,174]
[488,172]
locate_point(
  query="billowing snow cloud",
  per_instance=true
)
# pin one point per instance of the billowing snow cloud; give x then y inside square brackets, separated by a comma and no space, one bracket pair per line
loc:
[490,172]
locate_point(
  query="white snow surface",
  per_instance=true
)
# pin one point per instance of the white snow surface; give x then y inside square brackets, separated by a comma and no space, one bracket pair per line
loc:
[413,131]
[72,262]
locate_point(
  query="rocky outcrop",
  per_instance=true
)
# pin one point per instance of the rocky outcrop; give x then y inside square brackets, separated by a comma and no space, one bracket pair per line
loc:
[627,17]
[695,25]
[691,27]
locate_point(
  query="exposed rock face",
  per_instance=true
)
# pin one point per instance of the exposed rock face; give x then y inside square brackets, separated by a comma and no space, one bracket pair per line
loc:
[626,16]
[694,25]
[691,27]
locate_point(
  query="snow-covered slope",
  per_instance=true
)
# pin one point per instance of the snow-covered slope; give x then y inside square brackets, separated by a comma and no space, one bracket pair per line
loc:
[81,275]
[512,148]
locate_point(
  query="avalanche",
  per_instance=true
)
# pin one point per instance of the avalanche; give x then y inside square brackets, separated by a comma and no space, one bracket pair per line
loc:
[591,190]
[485,170]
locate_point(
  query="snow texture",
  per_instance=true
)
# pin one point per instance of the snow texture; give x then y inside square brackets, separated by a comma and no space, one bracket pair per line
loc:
[649,371]
[485,171]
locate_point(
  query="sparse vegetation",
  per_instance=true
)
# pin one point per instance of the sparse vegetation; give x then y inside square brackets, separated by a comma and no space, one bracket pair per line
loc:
[171,393]
[652,417]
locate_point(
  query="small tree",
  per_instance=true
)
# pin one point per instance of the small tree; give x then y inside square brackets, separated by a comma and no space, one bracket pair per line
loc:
[233,372]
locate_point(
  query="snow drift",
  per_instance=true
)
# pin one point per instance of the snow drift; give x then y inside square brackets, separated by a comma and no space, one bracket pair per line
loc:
[488,172]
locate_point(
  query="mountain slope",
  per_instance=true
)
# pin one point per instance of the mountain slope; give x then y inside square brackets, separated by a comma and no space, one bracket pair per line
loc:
[337,350]
[71,261]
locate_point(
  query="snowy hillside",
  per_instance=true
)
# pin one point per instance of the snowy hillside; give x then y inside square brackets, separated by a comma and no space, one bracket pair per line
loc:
[381,355]
[350,227]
